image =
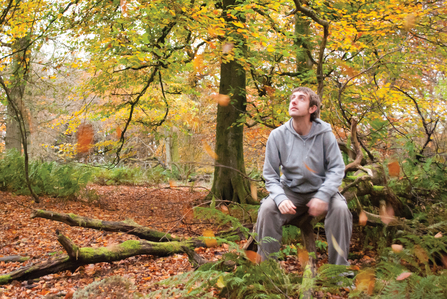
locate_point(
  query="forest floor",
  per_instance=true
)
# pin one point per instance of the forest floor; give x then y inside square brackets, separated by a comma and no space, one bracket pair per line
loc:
[161,208]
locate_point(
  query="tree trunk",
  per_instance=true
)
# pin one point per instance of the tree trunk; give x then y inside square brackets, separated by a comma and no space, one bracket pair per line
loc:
[18,79]
[83,256]
[229,174]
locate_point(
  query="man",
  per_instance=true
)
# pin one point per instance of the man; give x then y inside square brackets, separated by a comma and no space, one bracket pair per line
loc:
[307,152]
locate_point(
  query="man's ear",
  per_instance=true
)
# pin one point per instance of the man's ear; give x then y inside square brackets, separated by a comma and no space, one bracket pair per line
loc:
[313,109]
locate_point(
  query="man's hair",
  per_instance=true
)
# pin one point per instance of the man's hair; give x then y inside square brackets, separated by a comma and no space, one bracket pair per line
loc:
[314,100]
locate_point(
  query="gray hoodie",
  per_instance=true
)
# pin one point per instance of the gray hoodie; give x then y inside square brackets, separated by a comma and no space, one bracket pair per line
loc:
[311,163]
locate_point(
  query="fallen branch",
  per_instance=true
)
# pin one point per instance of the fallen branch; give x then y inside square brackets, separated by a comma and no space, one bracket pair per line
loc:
[110,226]
[14,258]
[83,256]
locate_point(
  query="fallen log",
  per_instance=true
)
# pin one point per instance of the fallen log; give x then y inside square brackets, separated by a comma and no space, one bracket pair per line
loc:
[14,258]
[141,232]
[77,257]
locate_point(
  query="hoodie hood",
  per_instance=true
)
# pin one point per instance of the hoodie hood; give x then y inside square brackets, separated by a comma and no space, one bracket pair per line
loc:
[311,163]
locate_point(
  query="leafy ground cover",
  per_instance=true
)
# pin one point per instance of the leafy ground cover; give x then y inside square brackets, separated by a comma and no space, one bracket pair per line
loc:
[163,208]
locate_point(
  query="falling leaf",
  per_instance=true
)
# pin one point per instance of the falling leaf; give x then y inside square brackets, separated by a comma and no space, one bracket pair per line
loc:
[363,218]
[222,99]
[397,248]
[210,240]
[227,47]
[310,169]
[172,184]
[409,22]
[354,268]
[220,282]
[254,257]
[438,235]
[209,151]
[85,138]
[403,276]
[198,63]
[224,209]
[303,257]
[365,281]
[421,253]
[254,191]
[394,169]
[386,214]
[336,246]
[269,90]
[118,132]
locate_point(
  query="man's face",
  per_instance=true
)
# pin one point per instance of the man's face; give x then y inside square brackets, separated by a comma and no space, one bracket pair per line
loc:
[299,105]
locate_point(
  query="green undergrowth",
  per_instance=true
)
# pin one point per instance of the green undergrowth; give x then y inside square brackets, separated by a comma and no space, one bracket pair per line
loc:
[131,176]
[47,178]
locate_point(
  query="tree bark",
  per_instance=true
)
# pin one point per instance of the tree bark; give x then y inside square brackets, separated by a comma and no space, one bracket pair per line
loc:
[229,174]
[83,256]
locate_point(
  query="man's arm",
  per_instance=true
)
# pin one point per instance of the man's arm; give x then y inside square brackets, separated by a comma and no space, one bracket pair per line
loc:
[271,171]
[335,169]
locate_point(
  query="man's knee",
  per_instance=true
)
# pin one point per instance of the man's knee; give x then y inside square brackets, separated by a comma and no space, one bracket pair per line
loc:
[267,208]
[339,206]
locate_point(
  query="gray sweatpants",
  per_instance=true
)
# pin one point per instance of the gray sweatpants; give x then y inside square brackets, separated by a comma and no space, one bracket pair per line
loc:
[338,225]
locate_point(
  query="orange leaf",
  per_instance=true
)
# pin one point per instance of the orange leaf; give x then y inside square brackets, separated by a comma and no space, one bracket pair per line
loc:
[172,184]
[222,99]
[303,257]
[310,169]
[397,248]
[118,132]
[210,152]
[254,257]
[69,294]
[363,218]
[354,268]
[85,138]
[403,276]
[224,209]
[394,169]
[210,240]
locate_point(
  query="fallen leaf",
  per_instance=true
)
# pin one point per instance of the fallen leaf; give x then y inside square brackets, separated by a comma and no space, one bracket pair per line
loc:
[209,151]
[363,218]
[254,191]
[421,253]
[172,184]
[303,257]
[210,240]
[69,294]
[227,47]
[403,276]
[224,209]
[336,246]
[397,248]
[254,257]
[365,281]
[220,282]
[394,169]
[222,99]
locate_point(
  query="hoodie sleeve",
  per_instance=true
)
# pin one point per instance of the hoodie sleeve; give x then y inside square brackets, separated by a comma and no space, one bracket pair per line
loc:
[335,168]
[271,171]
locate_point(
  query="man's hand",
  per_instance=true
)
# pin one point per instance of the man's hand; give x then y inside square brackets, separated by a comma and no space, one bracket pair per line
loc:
[287,207]
[317,207]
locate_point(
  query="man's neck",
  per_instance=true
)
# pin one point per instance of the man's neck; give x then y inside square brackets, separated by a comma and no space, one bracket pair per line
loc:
[302,126]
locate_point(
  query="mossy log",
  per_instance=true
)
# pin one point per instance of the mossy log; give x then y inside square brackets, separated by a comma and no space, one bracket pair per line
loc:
[14,258]
[77,257]
[141,232]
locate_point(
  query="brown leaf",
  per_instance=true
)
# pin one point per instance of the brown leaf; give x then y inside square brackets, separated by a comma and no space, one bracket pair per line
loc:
[363,218]
[69,294]
[403,276]
[394,169]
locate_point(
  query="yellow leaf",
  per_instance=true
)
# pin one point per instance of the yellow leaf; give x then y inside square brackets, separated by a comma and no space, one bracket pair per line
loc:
[336,246]
[421,254]
[303,257]
[210,240]
[239,24]
[220,282]
[209,151]
[365,281]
